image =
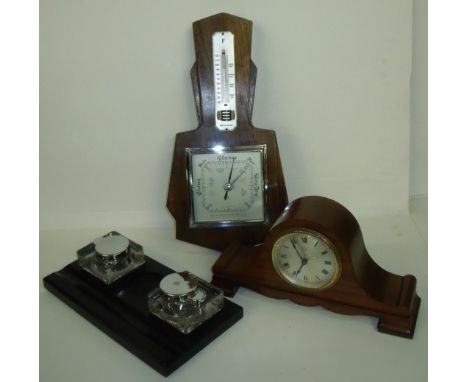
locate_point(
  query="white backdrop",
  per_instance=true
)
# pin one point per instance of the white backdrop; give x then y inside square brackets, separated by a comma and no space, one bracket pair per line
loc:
[333,82]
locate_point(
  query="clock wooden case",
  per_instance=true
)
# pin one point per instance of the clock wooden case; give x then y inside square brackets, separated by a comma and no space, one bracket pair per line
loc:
[356,286]
[222,163]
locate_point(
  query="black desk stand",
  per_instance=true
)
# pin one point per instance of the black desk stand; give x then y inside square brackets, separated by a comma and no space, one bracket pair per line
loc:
[120,310]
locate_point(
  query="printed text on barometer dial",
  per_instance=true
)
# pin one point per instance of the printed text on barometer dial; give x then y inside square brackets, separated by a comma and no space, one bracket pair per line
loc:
[227,186]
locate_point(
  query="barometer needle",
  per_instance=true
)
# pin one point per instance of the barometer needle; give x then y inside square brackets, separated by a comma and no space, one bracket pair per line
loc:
[238,176]
[229,180]
[230,173]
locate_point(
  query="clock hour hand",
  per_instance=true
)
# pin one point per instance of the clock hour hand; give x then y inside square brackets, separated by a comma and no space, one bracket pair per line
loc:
[228,185]
[304,262]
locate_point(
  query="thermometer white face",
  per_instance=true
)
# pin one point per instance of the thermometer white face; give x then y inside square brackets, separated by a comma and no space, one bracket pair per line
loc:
[224,71]
[227,186]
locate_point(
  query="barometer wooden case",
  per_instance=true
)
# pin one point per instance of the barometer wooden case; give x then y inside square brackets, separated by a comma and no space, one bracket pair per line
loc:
[315,255]
[226,179]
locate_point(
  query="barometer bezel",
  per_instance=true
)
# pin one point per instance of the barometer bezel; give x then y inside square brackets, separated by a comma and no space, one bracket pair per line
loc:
[190,151]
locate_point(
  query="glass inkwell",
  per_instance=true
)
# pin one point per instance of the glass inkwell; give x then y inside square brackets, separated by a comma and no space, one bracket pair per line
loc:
[185,301]
[111,257]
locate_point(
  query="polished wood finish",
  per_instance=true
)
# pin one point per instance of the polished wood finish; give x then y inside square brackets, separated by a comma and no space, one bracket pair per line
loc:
[364,288]
[207,135]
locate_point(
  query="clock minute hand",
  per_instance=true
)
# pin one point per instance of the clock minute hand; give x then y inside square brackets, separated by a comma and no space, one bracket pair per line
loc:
[297,251]
[304,261]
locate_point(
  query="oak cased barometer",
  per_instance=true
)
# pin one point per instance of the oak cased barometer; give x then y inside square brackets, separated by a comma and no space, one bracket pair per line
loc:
[226,179]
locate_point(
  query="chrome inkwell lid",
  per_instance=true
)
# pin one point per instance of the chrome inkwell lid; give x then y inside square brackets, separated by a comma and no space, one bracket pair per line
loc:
[185,301]
[111,257]
[178,285]
[112,251]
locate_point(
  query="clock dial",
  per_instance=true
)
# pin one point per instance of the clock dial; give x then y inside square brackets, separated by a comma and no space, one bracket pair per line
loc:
[306,259]
[227,185]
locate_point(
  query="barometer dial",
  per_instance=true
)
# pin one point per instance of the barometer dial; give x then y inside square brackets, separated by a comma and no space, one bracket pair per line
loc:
[227,186]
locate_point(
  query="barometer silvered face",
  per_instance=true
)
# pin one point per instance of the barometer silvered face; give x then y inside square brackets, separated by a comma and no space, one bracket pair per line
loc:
[227,184]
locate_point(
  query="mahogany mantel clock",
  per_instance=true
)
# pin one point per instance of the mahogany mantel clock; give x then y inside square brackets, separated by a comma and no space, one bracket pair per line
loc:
[226,179]
[315,255]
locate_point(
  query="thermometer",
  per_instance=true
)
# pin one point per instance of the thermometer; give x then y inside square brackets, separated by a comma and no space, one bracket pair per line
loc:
[224,71]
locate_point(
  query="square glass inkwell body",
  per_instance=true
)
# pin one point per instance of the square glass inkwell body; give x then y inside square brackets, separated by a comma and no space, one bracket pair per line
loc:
[185,301]
[111,257]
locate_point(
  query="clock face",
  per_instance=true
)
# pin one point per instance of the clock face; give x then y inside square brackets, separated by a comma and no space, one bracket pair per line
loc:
[306,259]
[227,185]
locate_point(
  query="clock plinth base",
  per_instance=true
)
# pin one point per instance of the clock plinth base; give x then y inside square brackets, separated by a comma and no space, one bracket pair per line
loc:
[396,306]
[403,327]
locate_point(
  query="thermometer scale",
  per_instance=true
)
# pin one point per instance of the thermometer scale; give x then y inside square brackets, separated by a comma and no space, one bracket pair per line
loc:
[224,80]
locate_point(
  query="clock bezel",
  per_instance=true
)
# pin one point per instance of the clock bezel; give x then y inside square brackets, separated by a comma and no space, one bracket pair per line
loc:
[301,284]
[190,151]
